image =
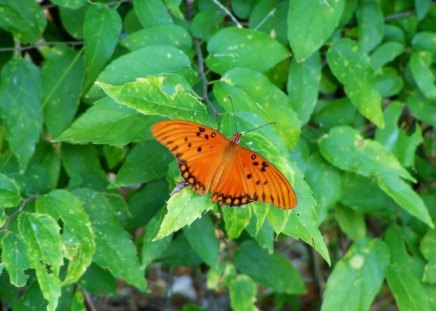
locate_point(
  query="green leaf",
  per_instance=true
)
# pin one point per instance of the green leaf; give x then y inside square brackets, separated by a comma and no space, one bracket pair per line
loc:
[423,74]
[235,47]
[115,250]
[98,281]
[303,85]
[264,235]
[206,23]
[183,209]
[428,249]
[62,79]
[357,277]
[101,32]
[253,92]
[147,161]
[152,13]
[385,53]
[179,253]
[71,4]
[20,108]
[422,8]
[235,220]
[370,24]
[78,238]
[153,96]
[25,19]
[406,197]
[9,192]
[325,182]
[319,17]
[388,82]
[331,113]
[273,271]
[395,139]
[201,236]
[421,107]
[351,222]
[171,35]
[153,249]
[243,294]
[346,149]
[424,41]
[15,258]
[408,292]
[73,20]
[43,247]
[347,62]
[136,64]
[107,122]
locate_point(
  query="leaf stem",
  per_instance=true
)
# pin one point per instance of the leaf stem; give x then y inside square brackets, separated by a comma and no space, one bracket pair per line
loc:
[228,13]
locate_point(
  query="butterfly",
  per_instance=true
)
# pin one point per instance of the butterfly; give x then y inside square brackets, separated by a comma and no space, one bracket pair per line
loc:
[209,161]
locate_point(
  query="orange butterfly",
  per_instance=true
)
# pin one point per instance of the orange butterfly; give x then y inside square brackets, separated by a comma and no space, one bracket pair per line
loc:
[209,161]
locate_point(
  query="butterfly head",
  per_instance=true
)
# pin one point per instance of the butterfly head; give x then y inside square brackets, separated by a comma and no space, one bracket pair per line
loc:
[236,139]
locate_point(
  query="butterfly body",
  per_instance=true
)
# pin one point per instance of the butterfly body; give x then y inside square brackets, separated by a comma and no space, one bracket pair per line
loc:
[235,175]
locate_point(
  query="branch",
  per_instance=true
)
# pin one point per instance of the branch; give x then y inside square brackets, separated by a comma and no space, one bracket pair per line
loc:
[228,13]
[39,44]
[16,212]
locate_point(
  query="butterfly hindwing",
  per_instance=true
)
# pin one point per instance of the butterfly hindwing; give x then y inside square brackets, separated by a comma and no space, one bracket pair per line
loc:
[197,148]
[250,177]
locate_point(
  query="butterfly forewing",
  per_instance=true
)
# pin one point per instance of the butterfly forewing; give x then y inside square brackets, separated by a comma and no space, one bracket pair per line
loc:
[197,148]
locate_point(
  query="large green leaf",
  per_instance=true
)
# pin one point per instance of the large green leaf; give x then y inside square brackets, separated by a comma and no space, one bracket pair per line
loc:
[152,12]
[101,32]
[20,108]
[310,24]
[15,258]
[357,277]
[352,68]
[78,238]
[274,271]
[115,250]
[107,122]
[158,95]
[235,47]
[62,79]
[252,92]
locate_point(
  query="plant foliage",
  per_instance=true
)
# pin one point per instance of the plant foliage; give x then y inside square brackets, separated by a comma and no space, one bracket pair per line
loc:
[86,202]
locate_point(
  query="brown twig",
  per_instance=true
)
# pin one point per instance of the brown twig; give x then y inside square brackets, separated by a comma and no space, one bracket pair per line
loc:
[88,301]
[16,212]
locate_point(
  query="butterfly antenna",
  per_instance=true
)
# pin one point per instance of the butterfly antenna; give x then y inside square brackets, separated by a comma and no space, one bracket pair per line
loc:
[259,127]
[234,118]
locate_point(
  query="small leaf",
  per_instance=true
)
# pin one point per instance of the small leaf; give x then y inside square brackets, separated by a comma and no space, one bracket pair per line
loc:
[9,192]
[424,41]
[115,250]
[303,85]
[370,24]
[183,209]
[273,271]
[101,32]
[385,53]
[235,220]
[421,107]
[406,197]
[243,294]
[357,277]
[311,23]
[62,79]
[151,96]
[347,62]
[428,249]
[351,222]
[152,13]
[147,161]
[20,108]
[107,122]
[25,19]
[245,48]
[15,258]
[201,236]
[423,74]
